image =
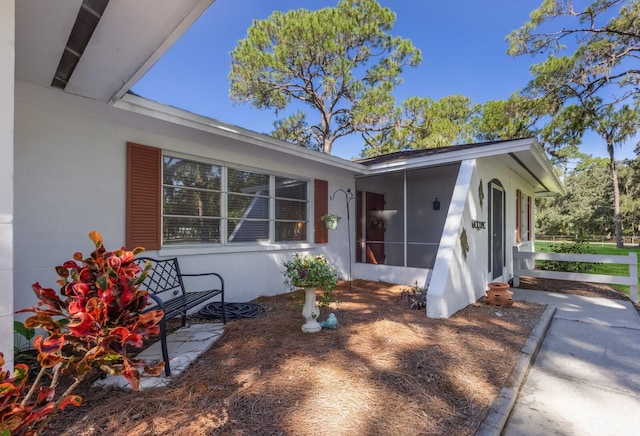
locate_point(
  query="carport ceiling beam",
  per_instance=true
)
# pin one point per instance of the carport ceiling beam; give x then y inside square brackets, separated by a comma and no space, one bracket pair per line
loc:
[86,22]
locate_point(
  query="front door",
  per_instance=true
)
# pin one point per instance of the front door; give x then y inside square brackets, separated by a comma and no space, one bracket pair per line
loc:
[496,241]
[373,227]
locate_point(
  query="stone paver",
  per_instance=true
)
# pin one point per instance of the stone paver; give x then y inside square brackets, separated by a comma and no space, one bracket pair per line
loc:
[184,345]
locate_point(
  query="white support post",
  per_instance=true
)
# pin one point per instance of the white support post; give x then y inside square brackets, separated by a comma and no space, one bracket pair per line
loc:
[516,267]
[633,274]
[7,83]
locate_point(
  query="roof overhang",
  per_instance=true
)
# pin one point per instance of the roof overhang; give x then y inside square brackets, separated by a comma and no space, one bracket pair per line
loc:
[526,156]
[195,122]
[130,36]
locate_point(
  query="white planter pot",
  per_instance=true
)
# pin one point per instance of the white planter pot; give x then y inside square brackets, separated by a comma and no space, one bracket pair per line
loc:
[310,311]
[331,224]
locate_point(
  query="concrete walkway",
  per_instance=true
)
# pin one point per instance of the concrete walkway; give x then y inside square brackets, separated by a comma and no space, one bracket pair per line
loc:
[585,378]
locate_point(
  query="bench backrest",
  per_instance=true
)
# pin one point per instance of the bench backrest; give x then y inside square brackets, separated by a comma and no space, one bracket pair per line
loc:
[163,277]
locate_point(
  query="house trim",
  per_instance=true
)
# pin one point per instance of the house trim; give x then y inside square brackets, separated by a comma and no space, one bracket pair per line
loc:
[143,106]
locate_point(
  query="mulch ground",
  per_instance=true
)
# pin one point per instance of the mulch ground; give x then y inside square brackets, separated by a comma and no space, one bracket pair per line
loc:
[386,370]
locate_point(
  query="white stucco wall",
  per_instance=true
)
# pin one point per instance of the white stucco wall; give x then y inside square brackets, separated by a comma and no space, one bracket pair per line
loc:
[456,281]
[70,179]
[7,54]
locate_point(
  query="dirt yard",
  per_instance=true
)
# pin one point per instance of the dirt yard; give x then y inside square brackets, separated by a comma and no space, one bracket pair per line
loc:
[386,370]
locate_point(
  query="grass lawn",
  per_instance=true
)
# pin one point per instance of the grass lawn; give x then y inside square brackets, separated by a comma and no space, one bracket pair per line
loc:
[609,269]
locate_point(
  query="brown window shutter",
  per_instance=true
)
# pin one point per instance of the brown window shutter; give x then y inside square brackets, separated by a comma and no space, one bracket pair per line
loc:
[518,215]
[528,218]
[321,207]
[143,197]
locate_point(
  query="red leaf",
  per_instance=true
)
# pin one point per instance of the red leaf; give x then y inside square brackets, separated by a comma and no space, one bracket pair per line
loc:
[114,263]
[131,374]
[81,289]
[96,308]
[86,276]
[43,320]
[154,370]
[75,307]
[45,395]
[48,345]
[71,264]
[84,326]
[74,400]
[49,360]
[150,318]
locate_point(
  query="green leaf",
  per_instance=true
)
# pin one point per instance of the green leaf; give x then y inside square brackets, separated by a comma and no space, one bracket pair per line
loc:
[25,332]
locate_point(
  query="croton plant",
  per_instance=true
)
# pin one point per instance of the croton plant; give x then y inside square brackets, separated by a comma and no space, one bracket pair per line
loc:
[90,326]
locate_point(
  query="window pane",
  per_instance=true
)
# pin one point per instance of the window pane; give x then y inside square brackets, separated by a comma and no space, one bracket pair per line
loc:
[246,206]
[247,231]
[182,172]
[190,230]
[291,188]
[290,231]
[247,182]
[193,202]
[291,210]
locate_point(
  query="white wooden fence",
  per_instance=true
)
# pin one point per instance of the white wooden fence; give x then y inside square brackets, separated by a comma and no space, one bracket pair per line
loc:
[521,268]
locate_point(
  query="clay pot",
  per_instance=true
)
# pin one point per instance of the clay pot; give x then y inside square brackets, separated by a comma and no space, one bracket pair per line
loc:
[499,294]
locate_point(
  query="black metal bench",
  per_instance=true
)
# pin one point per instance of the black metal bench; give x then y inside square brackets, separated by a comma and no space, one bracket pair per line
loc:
[166,287]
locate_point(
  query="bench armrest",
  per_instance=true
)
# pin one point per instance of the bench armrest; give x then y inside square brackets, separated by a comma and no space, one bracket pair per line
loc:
[158,300]
[206,274]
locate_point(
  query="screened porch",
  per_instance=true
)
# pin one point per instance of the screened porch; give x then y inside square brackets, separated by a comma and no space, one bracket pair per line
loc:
[400,215]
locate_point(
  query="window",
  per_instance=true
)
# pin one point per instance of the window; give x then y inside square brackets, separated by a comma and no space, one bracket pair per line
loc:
[291,209]
[523,217]
[191,201]
[174,200]
[247,206]
[206,203]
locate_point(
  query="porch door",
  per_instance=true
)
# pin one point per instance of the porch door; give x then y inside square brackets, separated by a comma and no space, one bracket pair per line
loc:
[374,228]
[496,241]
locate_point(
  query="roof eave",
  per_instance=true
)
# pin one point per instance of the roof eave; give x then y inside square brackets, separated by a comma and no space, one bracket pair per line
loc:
[543,172]
[191,120]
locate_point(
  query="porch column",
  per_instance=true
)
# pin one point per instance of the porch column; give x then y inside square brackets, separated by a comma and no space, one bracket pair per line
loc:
[7,54]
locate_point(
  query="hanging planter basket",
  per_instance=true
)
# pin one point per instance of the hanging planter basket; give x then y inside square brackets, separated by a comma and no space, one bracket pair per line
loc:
[331,221]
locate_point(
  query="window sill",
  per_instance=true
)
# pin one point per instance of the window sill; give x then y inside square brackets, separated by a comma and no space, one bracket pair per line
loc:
[187,250]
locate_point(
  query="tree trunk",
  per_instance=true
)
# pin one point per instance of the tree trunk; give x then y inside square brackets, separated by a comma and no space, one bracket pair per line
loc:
[326,146]
[616,197]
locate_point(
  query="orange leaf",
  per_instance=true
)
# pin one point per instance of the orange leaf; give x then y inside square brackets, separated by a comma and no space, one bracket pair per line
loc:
[74,400]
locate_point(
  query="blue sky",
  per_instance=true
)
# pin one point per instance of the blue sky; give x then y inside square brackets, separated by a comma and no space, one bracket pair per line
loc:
[462,42]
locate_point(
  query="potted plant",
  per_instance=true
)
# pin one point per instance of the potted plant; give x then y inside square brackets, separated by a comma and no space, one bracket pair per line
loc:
[311,272]
[330,220]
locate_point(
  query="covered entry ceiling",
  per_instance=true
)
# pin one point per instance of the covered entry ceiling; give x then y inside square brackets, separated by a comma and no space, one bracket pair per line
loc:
[129,37]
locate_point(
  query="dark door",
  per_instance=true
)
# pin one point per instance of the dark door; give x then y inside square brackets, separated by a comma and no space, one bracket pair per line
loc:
[497,230]
[374,228]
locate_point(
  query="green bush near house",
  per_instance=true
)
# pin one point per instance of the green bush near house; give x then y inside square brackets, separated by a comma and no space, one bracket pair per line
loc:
[577,247]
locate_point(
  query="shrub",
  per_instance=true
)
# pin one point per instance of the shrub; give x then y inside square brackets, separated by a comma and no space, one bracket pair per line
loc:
[89,327]
[579,246]
[415,297]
